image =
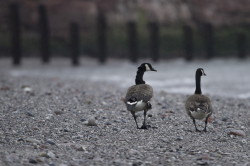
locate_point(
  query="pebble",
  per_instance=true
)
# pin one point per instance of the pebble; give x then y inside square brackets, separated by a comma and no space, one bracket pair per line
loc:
[115,129]
[83,120]
[29,114]
[202,163]
[164,140]
[48,93]
[52,164]
[172,150]
[51,142]
[43,154]
[91,122]
[33,161]
[51,155]
[65,130]
[48,116]
[33,140]
[81,148]
[243,141]
[222,140]
[27,89]
[133,152]
[150,115]
[108,123]
[224,119]
[237,133]
[179,138]
[5,88]
[63,165]
[58,112]
[137,163]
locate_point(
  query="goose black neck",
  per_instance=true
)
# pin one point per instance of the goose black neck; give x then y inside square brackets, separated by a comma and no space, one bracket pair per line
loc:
[139,77]
[198,84]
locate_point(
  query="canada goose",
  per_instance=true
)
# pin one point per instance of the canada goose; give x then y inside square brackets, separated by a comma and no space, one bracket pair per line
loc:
[199,106]
[138,96]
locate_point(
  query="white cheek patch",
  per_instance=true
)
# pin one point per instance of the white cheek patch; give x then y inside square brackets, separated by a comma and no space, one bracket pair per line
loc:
[147,67]
[202,72]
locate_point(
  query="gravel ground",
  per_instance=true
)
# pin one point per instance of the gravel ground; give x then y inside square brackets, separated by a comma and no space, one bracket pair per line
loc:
[66,122]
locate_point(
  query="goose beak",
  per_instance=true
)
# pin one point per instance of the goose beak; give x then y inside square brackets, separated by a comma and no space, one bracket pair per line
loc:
[153,70]
[204,74]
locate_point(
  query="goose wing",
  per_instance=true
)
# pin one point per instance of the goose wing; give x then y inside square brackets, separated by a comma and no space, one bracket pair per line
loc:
[140,92]
[198,103]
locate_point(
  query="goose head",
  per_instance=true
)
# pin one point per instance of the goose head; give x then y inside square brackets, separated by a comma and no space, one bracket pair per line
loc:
[146,67]
[200,72]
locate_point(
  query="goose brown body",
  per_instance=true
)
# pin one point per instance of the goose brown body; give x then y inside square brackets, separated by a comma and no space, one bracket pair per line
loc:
[142,92]
[198,106]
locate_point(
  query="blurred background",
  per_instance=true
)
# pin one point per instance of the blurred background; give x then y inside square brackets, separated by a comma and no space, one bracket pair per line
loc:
[124,29]
[181,35]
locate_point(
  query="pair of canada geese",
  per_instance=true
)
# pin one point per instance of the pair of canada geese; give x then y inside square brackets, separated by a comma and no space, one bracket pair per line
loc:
[138,98]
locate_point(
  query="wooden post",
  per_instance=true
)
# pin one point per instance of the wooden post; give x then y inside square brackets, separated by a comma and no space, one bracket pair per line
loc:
[102,37]
[132,41]
[154,40]
[209,40]
[15,28]
[74,44]
[241,45]
[188,42]
[44,34]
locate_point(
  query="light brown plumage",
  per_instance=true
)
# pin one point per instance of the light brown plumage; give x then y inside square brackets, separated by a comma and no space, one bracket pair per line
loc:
[142,92]
[198,103]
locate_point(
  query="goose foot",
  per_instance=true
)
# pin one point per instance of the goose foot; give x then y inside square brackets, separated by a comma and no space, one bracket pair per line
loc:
[144,127]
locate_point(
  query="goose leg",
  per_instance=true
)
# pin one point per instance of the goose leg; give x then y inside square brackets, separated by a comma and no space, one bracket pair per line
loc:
[144,121]
[205,129]
[135,119]
[195,126]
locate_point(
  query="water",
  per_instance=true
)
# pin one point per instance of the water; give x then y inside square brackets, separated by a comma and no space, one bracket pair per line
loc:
[229,78]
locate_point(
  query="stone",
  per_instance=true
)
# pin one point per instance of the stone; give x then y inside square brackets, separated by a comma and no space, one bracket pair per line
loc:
[27,89]
[150,115]
[179,138]
[237,133]
[81,148]
[115,129]
[58,112]
[52,164]
[32,140]
[137,163]
[224,119]
[33,161]
[51,155]
[83,120]
[50,141]
[108,123]
[65,130]
[43,154]
[200,162]
[91,122]
[29,114]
